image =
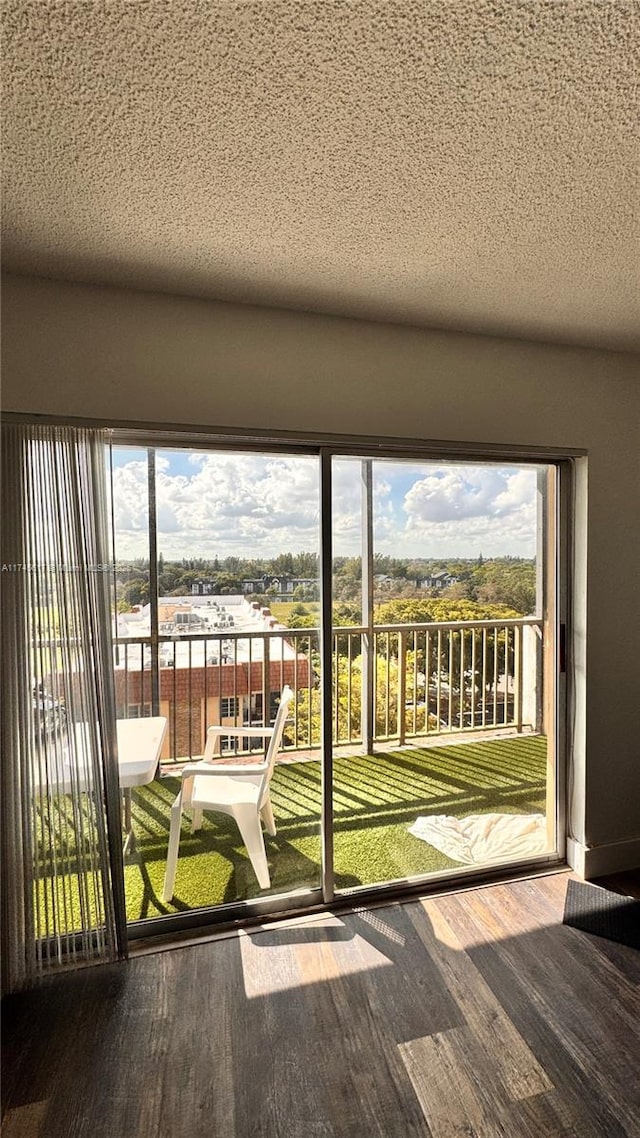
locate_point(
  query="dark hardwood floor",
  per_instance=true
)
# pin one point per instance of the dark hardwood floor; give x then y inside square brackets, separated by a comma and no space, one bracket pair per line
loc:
[471,1015]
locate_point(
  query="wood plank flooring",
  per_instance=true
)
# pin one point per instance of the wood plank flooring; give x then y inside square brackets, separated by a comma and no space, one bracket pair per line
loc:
[470,1015]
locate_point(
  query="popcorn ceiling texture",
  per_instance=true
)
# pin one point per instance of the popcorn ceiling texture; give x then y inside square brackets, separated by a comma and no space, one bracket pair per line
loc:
[467,164]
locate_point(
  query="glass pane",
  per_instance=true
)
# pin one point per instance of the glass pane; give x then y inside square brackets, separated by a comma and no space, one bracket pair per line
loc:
[444,696]
[237,540]
[132,650]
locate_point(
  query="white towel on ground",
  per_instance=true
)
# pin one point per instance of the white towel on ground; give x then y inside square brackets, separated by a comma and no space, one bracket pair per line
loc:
[482,838]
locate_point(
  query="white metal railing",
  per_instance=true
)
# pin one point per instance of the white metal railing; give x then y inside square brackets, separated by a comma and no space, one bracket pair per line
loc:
[428,679]
[456,676]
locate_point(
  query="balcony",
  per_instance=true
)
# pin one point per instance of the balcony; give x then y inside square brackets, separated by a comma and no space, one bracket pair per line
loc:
[428,719]
[376,798]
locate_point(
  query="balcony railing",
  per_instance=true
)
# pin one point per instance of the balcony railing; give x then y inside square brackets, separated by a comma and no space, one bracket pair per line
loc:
[419,679]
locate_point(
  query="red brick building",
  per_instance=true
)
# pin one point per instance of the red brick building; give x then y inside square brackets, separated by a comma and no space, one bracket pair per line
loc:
[192,698]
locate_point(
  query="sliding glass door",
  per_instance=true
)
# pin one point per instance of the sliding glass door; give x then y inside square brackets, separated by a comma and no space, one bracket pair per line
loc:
[410,605]
[444,667]
[217,585]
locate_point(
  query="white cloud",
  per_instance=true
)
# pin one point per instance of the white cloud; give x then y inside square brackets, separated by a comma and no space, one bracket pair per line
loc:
[490,509]
[451,494]
[130,497]
[231,504]
[259,506]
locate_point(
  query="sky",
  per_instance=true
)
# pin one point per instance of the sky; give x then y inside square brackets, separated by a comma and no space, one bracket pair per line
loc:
[257,506]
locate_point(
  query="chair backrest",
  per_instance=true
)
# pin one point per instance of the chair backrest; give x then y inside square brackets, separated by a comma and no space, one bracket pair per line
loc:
[276,739]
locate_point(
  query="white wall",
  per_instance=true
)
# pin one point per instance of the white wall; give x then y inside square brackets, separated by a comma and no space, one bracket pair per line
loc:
[95,352]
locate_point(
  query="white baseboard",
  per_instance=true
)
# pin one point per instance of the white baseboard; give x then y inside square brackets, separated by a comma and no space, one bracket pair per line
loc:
[598,861]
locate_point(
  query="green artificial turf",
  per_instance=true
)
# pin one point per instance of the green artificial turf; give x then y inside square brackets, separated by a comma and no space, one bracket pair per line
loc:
[376,799]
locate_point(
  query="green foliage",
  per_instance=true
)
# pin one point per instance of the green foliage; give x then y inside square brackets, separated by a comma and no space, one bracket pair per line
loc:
[134,592]
[418,611]
[346,614]
[347,703]
[499,581]
[294,614]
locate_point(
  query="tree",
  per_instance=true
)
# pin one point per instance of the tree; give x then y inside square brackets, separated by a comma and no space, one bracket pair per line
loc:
[135,592]
[347,712]
[461,591]
[282,564]
[226,584]
[305,565]
[507,581]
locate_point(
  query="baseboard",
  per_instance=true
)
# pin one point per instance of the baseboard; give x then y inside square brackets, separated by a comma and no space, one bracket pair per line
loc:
[597,861]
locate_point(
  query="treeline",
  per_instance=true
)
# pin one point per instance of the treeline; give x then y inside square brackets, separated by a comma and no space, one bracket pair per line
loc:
[509,581]
[225,575]
[504,581]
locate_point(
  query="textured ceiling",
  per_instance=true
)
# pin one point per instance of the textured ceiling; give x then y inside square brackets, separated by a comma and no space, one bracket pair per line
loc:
[464,164]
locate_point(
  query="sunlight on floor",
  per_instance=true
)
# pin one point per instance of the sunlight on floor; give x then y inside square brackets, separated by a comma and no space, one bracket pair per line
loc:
[319,951]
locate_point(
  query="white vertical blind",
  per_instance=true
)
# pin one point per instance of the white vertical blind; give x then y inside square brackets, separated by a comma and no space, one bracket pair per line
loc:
[62,891]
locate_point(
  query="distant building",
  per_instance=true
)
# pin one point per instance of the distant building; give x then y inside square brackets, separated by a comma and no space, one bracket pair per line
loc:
[283,584]
[204,588]
[442,580]
[383,581]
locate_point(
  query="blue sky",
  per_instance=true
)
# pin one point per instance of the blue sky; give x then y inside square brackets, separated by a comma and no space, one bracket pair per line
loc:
[249,505]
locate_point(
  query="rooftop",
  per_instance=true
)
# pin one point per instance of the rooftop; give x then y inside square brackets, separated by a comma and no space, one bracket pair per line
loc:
[213,636]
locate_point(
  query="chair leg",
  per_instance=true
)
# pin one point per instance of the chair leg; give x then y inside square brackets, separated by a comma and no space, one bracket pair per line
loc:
[196,819]
[172,852]
[251,832]
[266,814]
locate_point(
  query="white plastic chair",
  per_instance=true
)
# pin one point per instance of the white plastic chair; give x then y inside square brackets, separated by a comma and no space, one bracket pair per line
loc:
[239,789]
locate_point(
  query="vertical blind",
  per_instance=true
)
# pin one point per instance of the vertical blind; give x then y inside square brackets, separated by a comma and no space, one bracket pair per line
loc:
[62,890]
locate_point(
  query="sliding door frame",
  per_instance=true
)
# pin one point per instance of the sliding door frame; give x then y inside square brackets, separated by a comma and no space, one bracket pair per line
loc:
[556,539]
[326,448]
